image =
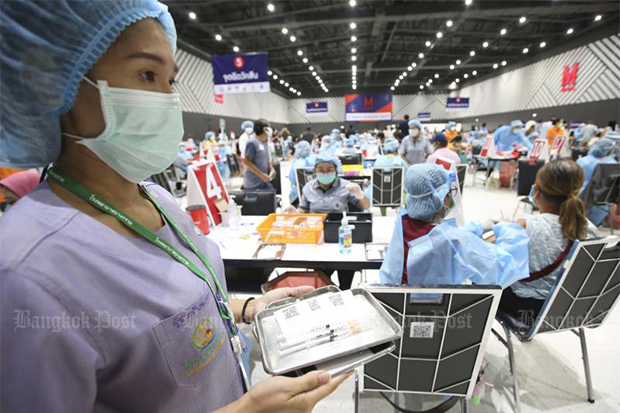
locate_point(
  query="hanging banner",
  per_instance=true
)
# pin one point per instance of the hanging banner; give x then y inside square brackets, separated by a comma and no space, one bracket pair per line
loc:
[456,104]
[205,187]
[424,116]
[368,108]
[240,73]
[316,108]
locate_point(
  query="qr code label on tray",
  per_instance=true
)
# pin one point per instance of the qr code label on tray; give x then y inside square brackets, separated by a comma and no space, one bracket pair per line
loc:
[421,330]
[290,312]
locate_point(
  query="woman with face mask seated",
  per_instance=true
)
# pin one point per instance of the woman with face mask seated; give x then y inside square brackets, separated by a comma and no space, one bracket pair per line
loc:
[426,250]
[415,147]
[390,157]
[138,314]
[349,146]
[303,159]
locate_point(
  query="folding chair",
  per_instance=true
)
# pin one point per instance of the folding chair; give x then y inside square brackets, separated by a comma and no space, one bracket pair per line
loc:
[527,178]
[582,297]
[386,185]
[303,176]
[233,165]
[461,170]
[256,201]
[445,331]
[351,159]
[603,188]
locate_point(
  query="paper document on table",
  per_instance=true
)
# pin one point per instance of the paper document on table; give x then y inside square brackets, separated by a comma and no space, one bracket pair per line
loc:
[376,252]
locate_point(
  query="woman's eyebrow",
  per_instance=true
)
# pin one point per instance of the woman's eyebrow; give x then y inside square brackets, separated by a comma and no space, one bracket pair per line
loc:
[150,56]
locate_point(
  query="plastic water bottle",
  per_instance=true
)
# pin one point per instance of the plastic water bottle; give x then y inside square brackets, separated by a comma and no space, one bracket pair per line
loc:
[345,235]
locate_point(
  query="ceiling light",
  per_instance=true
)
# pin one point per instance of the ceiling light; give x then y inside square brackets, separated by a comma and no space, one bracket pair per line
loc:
[405,73]
[300,53]
[281,81]
[284,30]
[504,63]
[570,31]
[474,73]
[465,76]
[449,23]
[596,19]
[269,73]
[298,93]
[400,77]
[503,32]
[354,87]
[526,50]
[428,43]
[311,68]
[352,3]
[534,115]
[313,73]
[275,76]
[472,53]
[452,85]
[290,89]
[495,66]
[271,7]
[439,35]
[286,84]
[305,60]
[354,50]
[392,87]
[353,25]
[457,80]
[410,68]
[430,81]
[396,82]
[218,37]
[293,38]
[458,61]
[485,44]
[451,67]
[522,19]
[414,64]
[354,67]
[468,2]
[236,49]
[436,75]
[427,84]
[326,90]
[421,55]
[353,38]
[543,44]
[353,58]
[192,15]
[421,86]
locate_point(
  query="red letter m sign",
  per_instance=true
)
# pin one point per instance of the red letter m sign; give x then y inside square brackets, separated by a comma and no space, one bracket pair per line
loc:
[368,102]
[569,78]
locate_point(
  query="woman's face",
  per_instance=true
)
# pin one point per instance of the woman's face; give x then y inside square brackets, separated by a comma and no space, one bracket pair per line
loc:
[141,58]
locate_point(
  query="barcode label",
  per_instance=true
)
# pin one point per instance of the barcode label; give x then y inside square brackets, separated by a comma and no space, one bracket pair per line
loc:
[290,312]
[313,305]
[387,178]
[421,330]
[336,300]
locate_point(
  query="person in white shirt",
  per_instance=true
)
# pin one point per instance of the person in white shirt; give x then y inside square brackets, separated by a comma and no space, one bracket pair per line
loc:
[248,132]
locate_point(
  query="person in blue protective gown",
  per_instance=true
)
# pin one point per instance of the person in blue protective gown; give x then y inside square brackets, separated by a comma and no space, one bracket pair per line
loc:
[508,136]
[303,159]
[349,146]
[601,152]
[139,315]
[390,156]
[426,250]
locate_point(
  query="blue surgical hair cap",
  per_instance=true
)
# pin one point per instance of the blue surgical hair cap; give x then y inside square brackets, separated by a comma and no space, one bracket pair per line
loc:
[47,48]
[328,157]
[302,149]
[602,148]
[247,124]
[391,145]
[427,186]
[335,132]
[415,122]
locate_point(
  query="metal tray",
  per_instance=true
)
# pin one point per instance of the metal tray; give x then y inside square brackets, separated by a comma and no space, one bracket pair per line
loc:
[345,356]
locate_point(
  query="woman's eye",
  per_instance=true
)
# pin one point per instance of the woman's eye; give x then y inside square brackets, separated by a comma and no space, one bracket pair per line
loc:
[148,76]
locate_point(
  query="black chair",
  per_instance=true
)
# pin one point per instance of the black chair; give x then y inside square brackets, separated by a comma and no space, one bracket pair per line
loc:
[303,176]
[582,297]
[461,170]
[387,186]
[255,201]
[233,165]
[603,188]
[527,178]
[277,181]
[351,159]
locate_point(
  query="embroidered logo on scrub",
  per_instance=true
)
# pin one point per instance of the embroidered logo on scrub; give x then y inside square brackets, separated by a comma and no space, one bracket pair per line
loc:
[208,341]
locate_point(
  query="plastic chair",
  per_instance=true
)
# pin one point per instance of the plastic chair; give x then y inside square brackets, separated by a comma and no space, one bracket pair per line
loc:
[582,297]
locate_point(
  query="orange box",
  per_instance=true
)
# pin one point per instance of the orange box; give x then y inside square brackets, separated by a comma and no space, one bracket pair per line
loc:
[292,228]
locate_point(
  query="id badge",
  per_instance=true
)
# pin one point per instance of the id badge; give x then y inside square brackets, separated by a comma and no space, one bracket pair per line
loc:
[237,349]
[261,147]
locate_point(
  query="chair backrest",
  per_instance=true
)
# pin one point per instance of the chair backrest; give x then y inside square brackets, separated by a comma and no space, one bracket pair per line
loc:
[461,171]
[586,291]
[604,185]
[445,331]
[161,179]
[256,201]
[303,176]
[233,164]
[351,159]
[527,175]
[387,186]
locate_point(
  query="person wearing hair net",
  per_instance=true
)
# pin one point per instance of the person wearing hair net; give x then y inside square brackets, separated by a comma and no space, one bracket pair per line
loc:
[425,249]
[415,147]
[390,157]
[531,131]
[603,151]
[145,319]
[248,130]
[349,146]
[327,148]
[303,159]
[509,136]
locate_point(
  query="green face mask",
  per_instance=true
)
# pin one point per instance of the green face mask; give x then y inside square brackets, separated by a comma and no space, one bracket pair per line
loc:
[326,178]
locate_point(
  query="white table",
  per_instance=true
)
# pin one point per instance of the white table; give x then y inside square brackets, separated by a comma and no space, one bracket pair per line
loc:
[238,245]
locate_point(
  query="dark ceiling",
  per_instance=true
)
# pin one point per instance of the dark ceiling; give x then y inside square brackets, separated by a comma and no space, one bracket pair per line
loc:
[390,37]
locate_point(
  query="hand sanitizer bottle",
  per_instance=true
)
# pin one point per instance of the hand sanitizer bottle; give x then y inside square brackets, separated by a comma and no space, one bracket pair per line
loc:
[345,235]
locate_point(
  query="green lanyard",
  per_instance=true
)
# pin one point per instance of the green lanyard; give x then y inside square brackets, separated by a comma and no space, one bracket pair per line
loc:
[95,200]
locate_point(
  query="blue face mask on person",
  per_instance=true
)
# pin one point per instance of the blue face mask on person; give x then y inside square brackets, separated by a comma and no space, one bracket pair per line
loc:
[326,178]
[142,131]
